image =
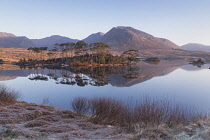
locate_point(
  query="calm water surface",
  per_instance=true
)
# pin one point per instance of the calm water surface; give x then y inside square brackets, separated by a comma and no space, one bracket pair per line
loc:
[186,84]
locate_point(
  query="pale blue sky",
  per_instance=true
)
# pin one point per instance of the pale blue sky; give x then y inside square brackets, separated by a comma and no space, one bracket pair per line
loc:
[181,21]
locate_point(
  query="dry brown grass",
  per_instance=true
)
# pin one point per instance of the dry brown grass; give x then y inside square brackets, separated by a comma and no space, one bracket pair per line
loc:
[32,121]
[15,54]
[8,95]
[37,123]
[147,111]
[12,54]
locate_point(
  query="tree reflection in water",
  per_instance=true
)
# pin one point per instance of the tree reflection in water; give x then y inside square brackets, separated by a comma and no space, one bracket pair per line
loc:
[82,76]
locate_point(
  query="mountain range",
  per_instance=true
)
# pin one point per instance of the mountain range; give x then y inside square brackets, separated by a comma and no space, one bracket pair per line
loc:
[8,40]
[52,40]
[119,38]
[196,47]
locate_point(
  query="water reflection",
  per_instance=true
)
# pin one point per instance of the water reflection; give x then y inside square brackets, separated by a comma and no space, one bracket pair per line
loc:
[46,101]
[58,86]
[120,76]
[82,76]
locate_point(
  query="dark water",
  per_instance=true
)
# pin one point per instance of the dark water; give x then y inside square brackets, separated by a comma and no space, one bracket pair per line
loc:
[177,81]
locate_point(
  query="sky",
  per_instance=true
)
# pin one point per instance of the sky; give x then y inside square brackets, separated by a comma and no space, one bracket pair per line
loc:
[181,21]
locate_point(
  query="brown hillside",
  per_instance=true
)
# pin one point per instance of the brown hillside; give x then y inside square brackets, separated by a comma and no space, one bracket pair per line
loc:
[3,34]
[124,38]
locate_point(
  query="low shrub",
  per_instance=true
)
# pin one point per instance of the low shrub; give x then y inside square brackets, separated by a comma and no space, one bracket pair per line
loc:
[106,110]
[80,105]
[147,111]
[8,95]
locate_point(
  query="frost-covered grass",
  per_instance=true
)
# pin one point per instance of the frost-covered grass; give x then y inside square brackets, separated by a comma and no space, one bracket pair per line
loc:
[32,121]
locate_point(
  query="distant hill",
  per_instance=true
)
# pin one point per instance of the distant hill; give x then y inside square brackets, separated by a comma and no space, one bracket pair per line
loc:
[119,38]
[8,40]
[196,47]
[3,34]
[123,38]
[94,38]
[52,40]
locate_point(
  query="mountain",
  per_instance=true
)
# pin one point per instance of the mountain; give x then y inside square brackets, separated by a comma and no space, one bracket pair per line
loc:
[119,38]
[123,38]
[51,41]
[94,38]
[196,47]
[3,34]
[8,40]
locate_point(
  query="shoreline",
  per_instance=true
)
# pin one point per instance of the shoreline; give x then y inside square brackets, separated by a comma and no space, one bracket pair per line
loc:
[32,121]
[23,120]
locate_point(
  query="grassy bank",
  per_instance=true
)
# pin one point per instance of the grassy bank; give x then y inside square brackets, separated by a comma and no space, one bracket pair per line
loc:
[149,118]
[100,118]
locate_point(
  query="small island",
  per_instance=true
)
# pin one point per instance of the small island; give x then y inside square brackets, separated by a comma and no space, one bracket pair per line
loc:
[78,54]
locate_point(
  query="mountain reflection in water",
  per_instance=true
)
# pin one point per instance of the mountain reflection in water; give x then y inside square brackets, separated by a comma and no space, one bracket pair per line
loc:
[59,86]
[82,76]
[119,76]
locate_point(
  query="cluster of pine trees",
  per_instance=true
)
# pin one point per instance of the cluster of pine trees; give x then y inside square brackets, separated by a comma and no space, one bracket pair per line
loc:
[80,53]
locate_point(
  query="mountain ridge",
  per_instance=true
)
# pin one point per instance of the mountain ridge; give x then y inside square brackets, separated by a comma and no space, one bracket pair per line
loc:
[16,42]
[119,38]
[95,37]
[124,38]
[52,40]
[4,34]
[196,47]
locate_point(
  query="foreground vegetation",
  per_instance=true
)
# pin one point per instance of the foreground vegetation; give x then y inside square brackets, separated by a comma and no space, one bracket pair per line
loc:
[101,118]
[7,95]
[147,111]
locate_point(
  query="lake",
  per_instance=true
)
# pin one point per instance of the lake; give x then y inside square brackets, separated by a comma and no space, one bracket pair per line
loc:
[174,80]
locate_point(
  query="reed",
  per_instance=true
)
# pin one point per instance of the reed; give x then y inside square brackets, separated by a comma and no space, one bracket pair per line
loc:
[80,105]
[146,111]
[8,95]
